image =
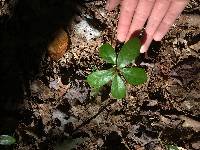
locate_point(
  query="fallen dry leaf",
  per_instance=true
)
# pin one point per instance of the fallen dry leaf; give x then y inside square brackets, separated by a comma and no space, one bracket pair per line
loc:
[190,123]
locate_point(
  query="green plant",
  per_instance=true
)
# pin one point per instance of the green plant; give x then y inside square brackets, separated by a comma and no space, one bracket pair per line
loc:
[7,140]
[171,147]
[119,73]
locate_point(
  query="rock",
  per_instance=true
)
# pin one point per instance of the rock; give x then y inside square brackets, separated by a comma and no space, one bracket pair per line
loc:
[59,45]
[84,29]
[196,145]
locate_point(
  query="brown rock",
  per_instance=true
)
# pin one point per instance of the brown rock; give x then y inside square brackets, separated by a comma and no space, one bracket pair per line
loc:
[196,145]
[59,45]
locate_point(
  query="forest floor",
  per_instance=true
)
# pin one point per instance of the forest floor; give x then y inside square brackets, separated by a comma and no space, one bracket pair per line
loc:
[59,111]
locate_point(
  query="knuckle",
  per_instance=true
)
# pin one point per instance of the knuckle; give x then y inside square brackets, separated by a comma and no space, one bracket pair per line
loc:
[140,15]
[127,9]
[124,24]
[171,17]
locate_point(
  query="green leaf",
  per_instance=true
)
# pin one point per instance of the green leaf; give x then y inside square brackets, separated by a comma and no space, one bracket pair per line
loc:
[129,52]
[7,140]
[134,75]
[118,88]
[172,147]
[99,78]
[107,52]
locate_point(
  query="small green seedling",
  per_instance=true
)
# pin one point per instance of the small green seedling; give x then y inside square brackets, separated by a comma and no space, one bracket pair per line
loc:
[7,140]
[171,147]
[119,73]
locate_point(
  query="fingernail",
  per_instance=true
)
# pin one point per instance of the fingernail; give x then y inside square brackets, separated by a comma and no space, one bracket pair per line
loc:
[127,38]
[157,37]
[143,49]
[121,38]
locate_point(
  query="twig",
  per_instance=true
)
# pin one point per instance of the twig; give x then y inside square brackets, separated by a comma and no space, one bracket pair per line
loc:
[87,121]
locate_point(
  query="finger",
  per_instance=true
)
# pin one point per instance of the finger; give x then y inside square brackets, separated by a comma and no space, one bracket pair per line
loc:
[111,4]
[146,44]
[125,18]
[141,14]
[174,11]
[157,14]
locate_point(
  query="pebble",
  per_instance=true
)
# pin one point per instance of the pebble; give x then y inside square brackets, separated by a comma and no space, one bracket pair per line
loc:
[84,29]
[59,45]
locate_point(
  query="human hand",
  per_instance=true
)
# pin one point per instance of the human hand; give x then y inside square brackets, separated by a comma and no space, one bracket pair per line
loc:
[161,14]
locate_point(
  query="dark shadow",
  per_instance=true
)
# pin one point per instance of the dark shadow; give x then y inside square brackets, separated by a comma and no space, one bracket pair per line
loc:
[152,53]
[23,43]
[141,34]
[113,142]
[151,56]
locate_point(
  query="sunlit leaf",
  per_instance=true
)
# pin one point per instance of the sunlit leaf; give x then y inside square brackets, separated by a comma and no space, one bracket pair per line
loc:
[107,52]
[129,52]
[118,88]
[134,75]
[7,140]
[172,147]
[99,78]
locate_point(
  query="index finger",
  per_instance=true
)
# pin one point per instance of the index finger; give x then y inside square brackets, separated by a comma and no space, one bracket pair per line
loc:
[126,13]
